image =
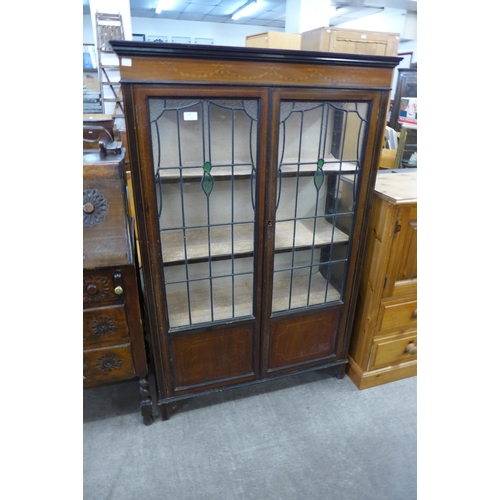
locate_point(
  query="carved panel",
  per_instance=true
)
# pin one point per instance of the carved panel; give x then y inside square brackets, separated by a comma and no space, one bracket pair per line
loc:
[96,288]
[109,362]
[95,207]
[101,326]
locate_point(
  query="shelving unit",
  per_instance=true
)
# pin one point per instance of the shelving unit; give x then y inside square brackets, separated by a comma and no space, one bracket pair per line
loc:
[109,27]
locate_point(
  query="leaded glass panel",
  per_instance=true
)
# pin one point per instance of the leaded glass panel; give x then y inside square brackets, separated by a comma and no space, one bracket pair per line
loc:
[204,153]
[320,158]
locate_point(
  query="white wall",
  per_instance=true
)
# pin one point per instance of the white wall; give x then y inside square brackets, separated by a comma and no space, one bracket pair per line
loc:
[222,34]
[391,21]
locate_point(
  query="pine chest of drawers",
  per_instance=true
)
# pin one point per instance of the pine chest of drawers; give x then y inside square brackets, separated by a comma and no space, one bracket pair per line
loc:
[113,338]
[384,340]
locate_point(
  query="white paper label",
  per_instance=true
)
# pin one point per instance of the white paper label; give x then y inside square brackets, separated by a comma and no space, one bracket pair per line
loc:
[190,116]
[126,61]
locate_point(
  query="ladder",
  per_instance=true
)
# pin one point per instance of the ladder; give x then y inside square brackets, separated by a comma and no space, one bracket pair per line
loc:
[109,27]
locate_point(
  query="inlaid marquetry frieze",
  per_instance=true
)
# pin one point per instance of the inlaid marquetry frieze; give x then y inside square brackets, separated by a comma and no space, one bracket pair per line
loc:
[250,72]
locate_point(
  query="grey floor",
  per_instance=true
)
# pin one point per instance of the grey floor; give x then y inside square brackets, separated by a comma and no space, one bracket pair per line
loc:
[305,437]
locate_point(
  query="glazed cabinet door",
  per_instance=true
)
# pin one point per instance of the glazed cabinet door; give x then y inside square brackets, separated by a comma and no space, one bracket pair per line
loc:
[318,178]
[202,174]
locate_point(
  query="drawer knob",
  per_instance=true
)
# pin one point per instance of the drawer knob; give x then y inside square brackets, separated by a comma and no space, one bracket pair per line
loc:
[411,348]
[92,289]
[118,290]
[88,208]
[414,314]
[84,368]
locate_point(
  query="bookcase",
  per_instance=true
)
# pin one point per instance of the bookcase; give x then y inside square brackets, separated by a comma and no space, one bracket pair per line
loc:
[250,251]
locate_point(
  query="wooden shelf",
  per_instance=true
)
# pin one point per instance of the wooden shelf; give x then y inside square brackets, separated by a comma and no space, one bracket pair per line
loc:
[172,242]
[194,171]
[223,300]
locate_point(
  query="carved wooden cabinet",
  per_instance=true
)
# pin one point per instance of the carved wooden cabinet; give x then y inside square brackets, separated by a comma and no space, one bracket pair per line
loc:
[113,338]
[384,337]
[249,260]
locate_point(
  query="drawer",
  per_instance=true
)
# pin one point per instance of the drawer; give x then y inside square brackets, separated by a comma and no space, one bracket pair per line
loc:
[111,363]
[394,316]
[393,350]
[102,287]
[105,326]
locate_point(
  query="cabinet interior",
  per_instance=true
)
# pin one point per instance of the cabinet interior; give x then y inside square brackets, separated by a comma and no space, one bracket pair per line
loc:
[205,165]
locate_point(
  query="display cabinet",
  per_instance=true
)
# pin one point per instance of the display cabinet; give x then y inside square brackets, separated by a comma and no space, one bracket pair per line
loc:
[113,336]
[250,255]
[384,337]
[406,86]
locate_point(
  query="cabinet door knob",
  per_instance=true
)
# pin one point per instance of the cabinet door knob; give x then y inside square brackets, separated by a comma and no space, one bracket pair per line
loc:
[414,314]
[84,368]
[118,290]
[88,208]
[411,348]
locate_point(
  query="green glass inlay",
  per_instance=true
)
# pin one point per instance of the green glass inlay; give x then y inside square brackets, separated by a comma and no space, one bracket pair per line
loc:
[319,176]
[207,181]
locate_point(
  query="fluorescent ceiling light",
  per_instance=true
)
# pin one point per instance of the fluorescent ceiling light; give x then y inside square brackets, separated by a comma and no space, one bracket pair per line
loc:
[245,10]
[164,5]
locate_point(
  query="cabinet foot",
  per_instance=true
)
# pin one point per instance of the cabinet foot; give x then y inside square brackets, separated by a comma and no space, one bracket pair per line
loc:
[337,371]
[341,372]
[146,402]
[168,409]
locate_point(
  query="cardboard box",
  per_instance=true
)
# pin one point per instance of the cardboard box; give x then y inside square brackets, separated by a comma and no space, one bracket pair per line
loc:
[408,110]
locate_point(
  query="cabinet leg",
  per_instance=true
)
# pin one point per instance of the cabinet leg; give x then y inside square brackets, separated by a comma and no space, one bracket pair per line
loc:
[165,411]
[168,409]
[337,371]
[341,371]
[146,402]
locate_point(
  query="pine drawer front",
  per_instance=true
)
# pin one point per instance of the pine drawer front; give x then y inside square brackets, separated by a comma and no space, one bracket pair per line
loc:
[111,363]
[397,316]
[105,326]
[393,350]
[102,287]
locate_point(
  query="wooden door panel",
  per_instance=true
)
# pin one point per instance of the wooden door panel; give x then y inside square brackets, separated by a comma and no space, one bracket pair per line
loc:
[300,340]
[403,258]
[221,356]
[408,264]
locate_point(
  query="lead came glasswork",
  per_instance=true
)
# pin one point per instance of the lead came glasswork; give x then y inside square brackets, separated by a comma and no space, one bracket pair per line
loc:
[319,176]
[321,149]
[207,181]
[207,251]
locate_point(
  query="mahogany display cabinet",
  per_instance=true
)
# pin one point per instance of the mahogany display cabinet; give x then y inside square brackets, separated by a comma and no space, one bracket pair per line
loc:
[250,256]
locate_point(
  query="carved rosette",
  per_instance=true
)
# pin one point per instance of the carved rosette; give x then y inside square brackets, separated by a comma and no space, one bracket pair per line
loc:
[95,288]
[101,326]
[109,362]
[95,207]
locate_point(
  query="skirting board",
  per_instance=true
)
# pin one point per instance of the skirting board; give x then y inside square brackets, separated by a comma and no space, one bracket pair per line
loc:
[366,379]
